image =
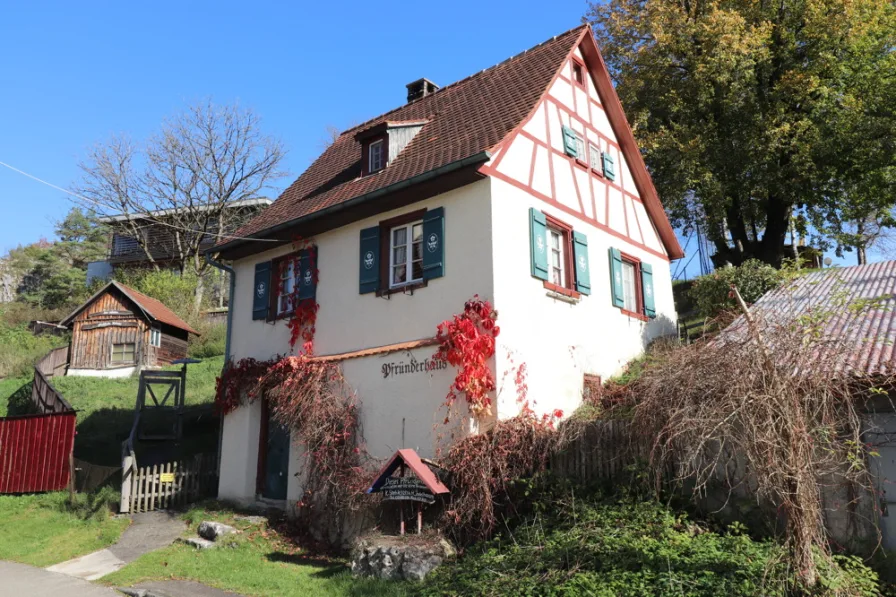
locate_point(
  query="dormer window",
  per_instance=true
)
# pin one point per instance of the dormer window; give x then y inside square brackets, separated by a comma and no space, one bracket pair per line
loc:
[375,154]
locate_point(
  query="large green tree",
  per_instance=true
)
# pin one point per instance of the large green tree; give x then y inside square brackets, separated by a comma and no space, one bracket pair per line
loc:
[755,114]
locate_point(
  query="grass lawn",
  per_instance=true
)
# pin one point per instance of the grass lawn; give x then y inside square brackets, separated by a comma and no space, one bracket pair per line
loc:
[258,562]
[43,529]
[106,406]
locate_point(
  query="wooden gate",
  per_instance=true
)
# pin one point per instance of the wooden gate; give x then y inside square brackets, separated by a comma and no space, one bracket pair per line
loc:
[169,485]
[35,452]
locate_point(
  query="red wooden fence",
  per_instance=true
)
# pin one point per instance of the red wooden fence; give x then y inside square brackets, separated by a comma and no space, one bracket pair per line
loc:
[35,451]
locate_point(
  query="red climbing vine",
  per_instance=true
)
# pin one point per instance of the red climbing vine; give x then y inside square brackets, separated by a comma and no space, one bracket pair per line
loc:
[467,342]
[302,321]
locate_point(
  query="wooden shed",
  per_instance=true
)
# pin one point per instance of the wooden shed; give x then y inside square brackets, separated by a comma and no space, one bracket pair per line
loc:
[119,330]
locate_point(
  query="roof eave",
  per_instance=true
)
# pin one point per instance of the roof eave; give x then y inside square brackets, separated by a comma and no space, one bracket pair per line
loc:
[477,158]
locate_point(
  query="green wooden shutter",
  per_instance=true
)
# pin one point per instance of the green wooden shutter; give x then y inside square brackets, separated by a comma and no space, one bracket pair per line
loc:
[609,166]
[261,291]
[306,278]
[538,244]
[434,243]
[569,142]
[647,289]
[369,264]
[583,271]
[616,278]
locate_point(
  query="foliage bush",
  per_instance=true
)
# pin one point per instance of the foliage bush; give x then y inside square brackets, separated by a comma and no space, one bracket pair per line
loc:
[591,544]
[173,289]
[211,342]
[20,349]
[712,293]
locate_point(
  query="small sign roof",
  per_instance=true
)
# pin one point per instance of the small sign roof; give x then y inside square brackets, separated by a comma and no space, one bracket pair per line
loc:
[411,459]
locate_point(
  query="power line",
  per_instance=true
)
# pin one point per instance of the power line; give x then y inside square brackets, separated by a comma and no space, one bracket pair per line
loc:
[175,226]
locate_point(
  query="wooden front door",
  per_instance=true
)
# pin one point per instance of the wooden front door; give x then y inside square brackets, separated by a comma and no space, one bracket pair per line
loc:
[274,469]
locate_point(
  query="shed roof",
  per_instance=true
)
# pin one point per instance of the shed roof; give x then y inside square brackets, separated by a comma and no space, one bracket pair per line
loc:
[412,460]
[153,309]
[864,339]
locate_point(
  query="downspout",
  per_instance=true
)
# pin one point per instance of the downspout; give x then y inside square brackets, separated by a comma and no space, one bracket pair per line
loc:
[230,302]
[226,268]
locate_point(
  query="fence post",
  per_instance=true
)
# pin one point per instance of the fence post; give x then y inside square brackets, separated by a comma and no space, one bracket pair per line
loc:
[127,467]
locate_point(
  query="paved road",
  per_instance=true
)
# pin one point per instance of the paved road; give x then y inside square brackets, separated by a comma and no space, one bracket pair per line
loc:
[19,579]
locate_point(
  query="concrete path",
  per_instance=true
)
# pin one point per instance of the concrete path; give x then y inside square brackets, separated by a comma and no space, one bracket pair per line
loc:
[148,532]
[176,588]
[19,579]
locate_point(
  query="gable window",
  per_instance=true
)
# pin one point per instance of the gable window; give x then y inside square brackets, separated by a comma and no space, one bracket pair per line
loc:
[578,72]
[155,337]
[580,147]
[559,255]
[123,354]
[594,158]
[375,156]
[406,254]
[630,286]
[631,281]
[558,241]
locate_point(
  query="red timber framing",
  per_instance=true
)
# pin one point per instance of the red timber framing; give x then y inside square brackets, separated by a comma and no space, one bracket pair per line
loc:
[35,452]
[624,147]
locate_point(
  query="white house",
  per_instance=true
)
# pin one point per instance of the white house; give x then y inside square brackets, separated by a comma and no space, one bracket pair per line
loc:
[522,184]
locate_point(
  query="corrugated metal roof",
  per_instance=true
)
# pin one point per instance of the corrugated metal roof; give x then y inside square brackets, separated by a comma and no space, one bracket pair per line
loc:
[855,306]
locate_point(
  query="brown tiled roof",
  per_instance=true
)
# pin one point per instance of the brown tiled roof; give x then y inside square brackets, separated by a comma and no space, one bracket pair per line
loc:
[464,119]
[154,309]
[859,340]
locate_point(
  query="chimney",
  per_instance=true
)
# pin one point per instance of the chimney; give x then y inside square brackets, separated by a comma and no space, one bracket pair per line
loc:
[420,89]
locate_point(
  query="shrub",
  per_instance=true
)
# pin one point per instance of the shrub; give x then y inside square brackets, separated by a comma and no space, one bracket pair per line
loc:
[173,289]
[20,349]
[598,546]
[712,293]
[210,343]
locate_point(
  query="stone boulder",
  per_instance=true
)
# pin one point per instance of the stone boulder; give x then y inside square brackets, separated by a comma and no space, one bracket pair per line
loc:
[212,530]
[397,558]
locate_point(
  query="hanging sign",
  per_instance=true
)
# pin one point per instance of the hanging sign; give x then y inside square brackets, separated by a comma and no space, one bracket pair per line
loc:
[166,477]
[407,488]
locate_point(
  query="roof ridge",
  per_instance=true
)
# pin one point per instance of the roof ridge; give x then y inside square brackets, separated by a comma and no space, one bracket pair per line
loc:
[370,121]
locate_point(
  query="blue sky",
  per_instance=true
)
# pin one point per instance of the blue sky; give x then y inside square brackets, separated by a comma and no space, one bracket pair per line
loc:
[75,72]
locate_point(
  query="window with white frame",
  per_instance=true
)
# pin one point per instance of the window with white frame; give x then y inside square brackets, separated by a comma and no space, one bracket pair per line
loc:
[155,337]
[123,353]
[630,286]
[557,257]
[580,147]
[594,157]
[406,254]
[287,285]
[375,156]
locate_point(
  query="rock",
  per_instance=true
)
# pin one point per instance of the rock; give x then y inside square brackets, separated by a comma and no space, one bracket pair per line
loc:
[388,559]
[212,530]
[132,592]
[198,542]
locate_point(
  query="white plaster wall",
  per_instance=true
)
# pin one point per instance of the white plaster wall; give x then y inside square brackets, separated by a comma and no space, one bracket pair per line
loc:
[558,341]
[239,454]
[349,321]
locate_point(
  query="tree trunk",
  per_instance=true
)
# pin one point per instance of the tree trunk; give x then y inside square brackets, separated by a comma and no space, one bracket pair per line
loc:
[860,255]
[198,294]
